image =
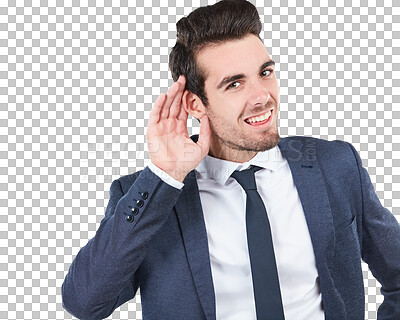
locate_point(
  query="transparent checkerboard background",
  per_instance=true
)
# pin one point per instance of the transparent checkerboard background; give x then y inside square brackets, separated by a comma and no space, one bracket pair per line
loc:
[77,82]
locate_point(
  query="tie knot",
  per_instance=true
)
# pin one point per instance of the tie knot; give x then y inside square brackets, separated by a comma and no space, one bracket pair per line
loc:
[246,178]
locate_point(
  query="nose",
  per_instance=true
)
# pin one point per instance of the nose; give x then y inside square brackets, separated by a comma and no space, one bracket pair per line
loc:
[259,94]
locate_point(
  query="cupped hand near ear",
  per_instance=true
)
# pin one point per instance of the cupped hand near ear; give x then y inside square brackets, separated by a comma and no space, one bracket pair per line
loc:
[169,144]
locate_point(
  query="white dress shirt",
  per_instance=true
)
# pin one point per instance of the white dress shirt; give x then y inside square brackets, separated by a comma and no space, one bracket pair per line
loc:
[224,207]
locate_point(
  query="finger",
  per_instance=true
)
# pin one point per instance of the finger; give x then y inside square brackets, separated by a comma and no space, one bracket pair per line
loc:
[172,91]
[177,103]
[204,135]
[183,114]
[157,107]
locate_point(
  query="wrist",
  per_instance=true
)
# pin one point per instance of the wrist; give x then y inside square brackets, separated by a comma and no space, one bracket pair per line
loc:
[176,174]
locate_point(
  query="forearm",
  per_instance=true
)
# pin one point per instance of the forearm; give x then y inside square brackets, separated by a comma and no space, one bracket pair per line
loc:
[106,265]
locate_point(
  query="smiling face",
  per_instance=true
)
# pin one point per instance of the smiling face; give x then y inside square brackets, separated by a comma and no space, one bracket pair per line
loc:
[243,98]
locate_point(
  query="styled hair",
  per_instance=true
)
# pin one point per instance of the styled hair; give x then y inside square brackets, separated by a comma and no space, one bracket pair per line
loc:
[226,20]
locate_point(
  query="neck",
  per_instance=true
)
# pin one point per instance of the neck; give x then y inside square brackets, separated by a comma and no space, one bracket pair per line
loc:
[221,150]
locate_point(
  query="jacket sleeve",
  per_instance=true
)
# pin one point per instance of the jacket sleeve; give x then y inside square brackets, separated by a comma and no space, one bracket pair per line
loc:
[380,246]
[102,275]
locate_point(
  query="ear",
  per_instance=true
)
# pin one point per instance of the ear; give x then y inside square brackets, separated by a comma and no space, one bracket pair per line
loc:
[193,105]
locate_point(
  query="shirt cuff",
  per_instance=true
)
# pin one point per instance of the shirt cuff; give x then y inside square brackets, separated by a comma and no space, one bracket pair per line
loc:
[165,176]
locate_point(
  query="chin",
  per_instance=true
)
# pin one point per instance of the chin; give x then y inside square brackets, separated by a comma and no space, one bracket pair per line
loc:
[267,144]
[249,144]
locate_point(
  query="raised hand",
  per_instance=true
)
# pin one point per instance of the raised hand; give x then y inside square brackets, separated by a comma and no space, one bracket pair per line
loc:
[169,144]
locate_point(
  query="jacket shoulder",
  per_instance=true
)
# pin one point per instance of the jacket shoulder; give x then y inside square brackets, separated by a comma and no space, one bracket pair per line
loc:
[334,154]
[323,146]
[320,142]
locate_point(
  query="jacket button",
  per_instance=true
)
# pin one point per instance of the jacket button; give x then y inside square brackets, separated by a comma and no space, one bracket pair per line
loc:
[135,211]
[144,195]
[129,218]
[139,203]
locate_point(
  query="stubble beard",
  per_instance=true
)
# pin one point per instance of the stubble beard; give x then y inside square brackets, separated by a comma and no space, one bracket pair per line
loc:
[249,144]
[230,139]
[233,143]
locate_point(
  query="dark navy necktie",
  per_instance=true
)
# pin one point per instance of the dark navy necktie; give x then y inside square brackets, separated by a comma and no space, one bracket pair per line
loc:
[267,293]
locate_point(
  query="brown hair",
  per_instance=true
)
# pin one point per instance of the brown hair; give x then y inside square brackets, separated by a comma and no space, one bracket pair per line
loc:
[226,20]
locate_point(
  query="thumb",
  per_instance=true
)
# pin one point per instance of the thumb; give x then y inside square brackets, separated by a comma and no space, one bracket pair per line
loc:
[204,135]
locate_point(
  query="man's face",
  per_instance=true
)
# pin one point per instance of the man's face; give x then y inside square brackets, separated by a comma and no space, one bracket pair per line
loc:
[240,84]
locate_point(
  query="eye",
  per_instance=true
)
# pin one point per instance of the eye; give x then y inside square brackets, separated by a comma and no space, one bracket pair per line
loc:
[266,72]
[233,85]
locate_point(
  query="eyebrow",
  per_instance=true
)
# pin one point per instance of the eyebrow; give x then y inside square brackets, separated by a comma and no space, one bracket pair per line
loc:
[235,77]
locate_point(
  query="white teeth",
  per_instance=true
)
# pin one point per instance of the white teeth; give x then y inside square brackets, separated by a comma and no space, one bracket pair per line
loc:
[259,118]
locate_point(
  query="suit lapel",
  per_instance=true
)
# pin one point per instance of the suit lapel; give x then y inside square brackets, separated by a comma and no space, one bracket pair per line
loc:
[301,155]
[191,220]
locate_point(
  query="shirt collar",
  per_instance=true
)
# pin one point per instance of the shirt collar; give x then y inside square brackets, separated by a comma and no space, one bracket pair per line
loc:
[220,170]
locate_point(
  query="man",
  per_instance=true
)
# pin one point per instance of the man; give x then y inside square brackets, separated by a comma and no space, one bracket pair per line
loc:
[236,223]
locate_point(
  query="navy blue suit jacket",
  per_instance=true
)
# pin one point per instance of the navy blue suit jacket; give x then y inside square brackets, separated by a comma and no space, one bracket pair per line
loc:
[164,250]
